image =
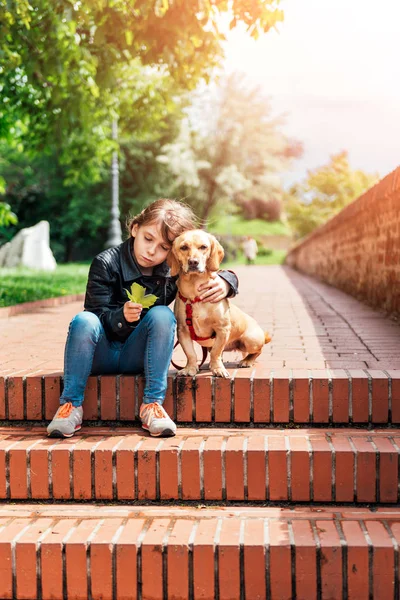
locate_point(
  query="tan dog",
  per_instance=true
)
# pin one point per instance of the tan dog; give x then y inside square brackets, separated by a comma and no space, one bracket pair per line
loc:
[194,255]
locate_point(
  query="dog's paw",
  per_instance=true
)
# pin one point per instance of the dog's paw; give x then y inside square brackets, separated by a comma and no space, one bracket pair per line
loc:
[221,372]
[246,363]
[188,371]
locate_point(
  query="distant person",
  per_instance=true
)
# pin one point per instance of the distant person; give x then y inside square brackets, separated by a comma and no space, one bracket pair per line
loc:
[250,249]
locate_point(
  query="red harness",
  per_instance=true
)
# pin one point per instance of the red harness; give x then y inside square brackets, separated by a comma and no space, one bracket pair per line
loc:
[189,323]
[189,320]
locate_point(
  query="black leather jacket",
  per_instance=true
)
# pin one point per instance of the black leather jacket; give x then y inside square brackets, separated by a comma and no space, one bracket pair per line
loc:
[113,271]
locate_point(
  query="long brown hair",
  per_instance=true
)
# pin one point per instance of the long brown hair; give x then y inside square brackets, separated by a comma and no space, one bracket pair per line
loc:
[173,216]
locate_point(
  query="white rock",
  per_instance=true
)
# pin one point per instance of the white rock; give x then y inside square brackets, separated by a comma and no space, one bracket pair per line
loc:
[29,248]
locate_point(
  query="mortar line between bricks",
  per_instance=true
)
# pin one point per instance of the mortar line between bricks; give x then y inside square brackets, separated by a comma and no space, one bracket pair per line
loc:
[267,559]
[317,558]
[252,396]
[64,557]
[223,468]
[311,462]
[396,558]
[370,560]
[93,466]
[24,397]
[390,404]
[333,462]
[117,397]
[157,460]
[191,539]
[292,558]
[43,397]
[114,468]
[350,395]
[283,504]
[344,547]
[355,471]
[89,558]
[393,441]
[369,395]
[377,468]
[310,396]
[114,543]
[245,465]
[139,578]
[179,457]
[266,455]
[331,307]
[201,467]
[164,554]
[136,468]
[28,468]
[39,559]
[216,557]
[242,577]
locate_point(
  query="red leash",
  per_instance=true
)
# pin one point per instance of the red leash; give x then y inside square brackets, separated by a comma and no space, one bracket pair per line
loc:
[193,334]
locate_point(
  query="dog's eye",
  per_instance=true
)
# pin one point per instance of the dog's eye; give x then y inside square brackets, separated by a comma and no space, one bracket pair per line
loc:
[203,247]
[184,247]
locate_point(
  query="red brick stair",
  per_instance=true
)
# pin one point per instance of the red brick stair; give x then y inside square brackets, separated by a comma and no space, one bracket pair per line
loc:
[262,396]
[281,483]
[105,553]
[255,465]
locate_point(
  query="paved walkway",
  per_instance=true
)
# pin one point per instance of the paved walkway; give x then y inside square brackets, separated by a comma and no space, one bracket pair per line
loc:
[313,326]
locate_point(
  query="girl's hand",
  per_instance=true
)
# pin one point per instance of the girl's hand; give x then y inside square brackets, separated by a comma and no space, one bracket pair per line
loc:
[132,311]
[215,289]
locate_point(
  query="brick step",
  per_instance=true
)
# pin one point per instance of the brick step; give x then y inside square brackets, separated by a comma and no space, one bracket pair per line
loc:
[254,465]
[117,553]
[258,396]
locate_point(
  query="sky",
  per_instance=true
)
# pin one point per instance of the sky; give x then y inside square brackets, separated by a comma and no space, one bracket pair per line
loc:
[334,68]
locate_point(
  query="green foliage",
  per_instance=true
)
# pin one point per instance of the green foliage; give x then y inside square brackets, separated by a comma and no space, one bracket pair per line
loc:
[26,285]
[7,217]
[232,153]
[236,225]
[67,68]
[325,192]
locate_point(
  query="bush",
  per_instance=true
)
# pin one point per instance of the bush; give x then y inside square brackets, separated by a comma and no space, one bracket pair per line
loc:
[261,208]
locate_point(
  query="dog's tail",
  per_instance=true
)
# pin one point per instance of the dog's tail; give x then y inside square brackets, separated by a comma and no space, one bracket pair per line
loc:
[267,337]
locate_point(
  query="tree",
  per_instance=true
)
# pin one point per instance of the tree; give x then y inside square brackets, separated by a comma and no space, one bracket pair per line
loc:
[325,192]
[78,211]
[231,151]
[67,68]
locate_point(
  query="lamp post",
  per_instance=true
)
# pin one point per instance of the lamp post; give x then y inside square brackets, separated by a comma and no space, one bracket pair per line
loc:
[114,231]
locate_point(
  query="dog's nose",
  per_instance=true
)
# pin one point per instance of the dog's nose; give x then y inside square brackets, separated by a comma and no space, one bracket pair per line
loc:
[193,262]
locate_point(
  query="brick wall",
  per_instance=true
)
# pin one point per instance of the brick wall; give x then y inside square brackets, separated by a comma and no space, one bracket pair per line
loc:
[358,250]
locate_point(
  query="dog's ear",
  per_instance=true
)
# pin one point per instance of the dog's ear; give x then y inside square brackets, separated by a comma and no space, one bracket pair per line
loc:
[173,262]
[216,255]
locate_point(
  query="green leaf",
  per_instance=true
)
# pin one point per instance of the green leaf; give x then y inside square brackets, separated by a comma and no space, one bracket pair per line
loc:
[137,295]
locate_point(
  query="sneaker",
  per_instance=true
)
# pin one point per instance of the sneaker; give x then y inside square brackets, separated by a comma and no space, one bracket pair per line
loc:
[156,421]
[66,421]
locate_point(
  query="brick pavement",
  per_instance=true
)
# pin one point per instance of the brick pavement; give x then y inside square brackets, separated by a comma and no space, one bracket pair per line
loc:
[313,326]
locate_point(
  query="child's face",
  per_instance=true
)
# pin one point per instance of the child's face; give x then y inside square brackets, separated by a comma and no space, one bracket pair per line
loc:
[150,248]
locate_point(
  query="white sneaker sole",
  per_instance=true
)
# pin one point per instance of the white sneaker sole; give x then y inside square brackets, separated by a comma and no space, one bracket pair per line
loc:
[56,433]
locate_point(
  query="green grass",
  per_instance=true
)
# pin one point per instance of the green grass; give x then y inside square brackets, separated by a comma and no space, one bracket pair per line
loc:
[236,225]
[26,285]
[275,258]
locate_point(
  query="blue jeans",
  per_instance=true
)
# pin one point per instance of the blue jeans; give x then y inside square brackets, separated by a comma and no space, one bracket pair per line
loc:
[148,349]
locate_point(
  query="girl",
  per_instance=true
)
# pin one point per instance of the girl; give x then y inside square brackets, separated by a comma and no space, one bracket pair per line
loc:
[114,335]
